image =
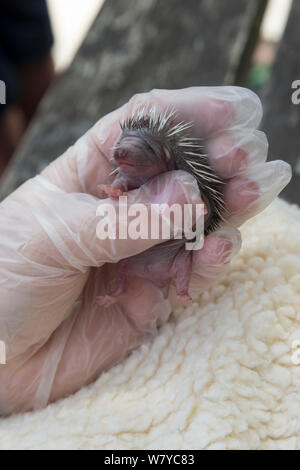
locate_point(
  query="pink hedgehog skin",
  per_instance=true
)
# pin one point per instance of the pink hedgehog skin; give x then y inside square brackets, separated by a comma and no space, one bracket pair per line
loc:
[150,145]
[165,264]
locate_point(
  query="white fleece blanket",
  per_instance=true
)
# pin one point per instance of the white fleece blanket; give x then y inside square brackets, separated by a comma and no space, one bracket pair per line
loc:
[221,374]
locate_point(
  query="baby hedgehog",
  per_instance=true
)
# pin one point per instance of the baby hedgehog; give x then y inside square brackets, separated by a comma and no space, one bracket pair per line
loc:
[152,143]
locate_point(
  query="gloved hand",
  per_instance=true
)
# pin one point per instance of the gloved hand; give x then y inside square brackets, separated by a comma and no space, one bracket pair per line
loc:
[53,266]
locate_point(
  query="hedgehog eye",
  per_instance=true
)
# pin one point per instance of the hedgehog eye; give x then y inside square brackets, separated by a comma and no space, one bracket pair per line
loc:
[150,150]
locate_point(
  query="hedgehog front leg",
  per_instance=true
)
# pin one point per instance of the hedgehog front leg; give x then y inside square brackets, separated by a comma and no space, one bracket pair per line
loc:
[118,188]
[112,191]
[122,184]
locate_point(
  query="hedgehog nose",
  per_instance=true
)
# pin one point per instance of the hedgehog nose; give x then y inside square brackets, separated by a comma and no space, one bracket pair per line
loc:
[121,154]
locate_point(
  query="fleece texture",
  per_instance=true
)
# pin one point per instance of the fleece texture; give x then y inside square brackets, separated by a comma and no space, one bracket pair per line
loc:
[220,374]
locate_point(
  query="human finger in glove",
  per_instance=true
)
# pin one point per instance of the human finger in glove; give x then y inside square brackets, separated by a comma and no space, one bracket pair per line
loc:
[58,336]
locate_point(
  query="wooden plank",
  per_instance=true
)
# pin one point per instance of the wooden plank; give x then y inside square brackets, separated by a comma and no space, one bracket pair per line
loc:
[134,46]
[282,116]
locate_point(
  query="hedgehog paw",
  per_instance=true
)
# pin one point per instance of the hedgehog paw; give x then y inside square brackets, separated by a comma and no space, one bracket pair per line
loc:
[111,192]
[185,298]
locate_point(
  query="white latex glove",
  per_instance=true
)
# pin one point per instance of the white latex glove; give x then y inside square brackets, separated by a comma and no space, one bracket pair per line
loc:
[53,266]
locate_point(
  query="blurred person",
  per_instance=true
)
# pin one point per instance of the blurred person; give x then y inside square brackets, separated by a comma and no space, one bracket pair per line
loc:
[26,67]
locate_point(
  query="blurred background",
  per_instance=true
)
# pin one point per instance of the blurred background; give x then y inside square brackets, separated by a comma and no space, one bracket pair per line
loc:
[87,57]
[69,34]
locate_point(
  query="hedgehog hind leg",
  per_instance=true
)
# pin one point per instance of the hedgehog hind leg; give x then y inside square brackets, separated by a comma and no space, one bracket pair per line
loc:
[182,270]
